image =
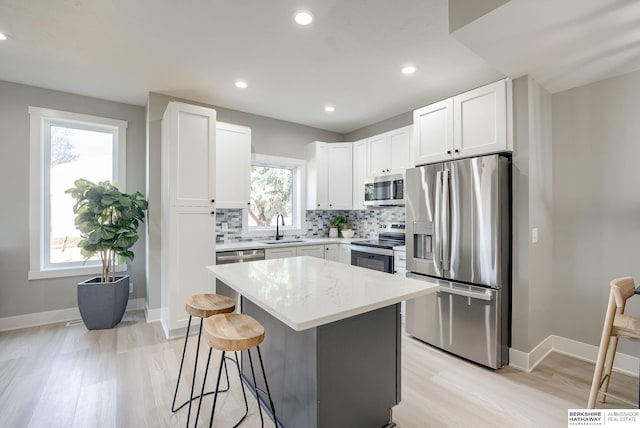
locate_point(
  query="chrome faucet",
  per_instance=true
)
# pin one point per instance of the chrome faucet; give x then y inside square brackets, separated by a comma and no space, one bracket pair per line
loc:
[278,236]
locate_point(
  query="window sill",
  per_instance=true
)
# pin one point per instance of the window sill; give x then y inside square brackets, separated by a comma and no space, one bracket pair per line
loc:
[69,272]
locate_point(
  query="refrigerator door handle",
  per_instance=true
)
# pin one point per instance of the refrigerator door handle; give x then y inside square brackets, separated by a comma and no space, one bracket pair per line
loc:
[485,295]
[446,222]
[437,229]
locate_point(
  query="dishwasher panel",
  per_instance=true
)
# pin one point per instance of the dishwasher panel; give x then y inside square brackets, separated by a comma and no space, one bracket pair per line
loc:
[227,257]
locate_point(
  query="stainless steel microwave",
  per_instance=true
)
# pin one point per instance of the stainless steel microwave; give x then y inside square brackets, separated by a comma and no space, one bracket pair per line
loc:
[384,190]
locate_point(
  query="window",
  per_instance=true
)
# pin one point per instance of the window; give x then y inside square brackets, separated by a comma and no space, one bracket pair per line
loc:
[277,187]
[64,147]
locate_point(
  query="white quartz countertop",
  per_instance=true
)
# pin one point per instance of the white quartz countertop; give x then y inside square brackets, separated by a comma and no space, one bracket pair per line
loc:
[248,245]
[307,292]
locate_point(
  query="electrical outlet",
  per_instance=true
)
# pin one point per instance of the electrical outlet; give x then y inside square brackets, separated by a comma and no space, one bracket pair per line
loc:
[130,287]
[534,235]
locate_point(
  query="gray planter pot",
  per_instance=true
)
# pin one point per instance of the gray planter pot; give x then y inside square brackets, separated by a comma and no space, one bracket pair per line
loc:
[102,304]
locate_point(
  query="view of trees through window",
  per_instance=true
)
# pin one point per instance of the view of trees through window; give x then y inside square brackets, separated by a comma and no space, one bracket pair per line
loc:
[271,194]
[74,153]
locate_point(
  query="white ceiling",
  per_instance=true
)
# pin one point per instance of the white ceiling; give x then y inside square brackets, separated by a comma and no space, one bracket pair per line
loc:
[349,57]
[560,43]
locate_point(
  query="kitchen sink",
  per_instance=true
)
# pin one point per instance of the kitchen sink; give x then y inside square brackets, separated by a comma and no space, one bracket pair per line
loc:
[280,241]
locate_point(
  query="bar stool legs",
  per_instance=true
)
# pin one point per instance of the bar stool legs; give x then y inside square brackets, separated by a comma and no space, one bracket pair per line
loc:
[193,381]
[244,395]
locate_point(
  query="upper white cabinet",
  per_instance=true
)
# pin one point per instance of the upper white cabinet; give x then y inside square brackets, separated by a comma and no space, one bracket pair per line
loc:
[189,134]
[329,176]
[359,173]
[469,124]
[233,165]
[389,153]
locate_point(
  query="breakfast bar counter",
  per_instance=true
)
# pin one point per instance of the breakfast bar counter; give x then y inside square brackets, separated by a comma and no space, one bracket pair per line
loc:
[332,343]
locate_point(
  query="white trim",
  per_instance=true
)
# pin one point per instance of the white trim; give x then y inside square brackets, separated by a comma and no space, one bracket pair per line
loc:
[623,363]
[299,196]
[152,315]
[41,119]
[69,272]
[51,317]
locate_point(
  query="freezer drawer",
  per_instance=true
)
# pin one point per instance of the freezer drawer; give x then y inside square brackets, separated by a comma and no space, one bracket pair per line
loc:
[462,319]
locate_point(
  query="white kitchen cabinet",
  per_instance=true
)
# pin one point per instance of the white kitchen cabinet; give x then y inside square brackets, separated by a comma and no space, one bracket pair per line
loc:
[188,208]
[188,154]
[233,165]
[389,153]
[359,173]
[400,269]
[190,248]
[470,124]
[329,176]
[345,253]
[279,253]
[331,252]
[311,250]
[304,250]
[433,132]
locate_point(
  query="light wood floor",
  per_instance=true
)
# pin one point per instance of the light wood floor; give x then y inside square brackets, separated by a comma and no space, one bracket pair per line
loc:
[60,376]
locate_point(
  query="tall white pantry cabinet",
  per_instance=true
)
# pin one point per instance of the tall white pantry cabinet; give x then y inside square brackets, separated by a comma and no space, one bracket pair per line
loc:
[188,208]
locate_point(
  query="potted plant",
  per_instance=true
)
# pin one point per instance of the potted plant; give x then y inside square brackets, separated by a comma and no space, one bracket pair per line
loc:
[336,222]
[108,221]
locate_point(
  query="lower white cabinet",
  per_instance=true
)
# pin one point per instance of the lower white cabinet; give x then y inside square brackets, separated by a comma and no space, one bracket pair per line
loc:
[400,269]
[331,252]
[279,253]
[188,246]
[305,250]
[311,250]
[345,254]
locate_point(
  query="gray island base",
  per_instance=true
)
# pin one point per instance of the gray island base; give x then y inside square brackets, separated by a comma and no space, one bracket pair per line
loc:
[342,374]
[332,337]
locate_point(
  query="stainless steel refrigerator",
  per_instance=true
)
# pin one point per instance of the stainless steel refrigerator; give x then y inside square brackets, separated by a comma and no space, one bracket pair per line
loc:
[458,231]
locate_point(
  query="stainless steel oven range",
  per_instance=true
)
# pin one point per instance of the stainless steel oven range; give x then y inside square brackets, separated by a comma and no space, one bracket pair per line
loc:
[377,254]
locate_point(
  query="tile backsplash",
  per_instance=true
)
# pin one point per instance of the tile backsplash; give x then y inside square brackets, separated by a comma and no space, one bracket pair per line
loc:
[365,223]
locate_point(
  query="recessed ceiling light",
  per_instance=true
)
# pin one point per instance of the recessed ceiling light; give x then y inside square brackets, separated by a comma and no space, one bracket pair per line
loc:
[329,109]
[303,17]
[409,69]
[3,37]
[241,84]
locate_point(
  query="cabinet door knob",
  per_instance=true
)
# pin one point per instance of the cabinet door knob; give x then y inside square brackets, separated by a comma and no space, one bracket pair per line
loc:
[448,152]
[318,204]
[387,170]
[213,201]
[457,150]
[383,170]
[330,205]
[213,212]
[248,203]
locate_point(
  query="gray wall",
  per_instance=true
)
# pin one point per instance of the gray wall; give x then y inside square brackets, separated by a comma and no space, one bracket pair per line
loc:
[19,296]
[268,136]
[532,289]
[596,202]
[377,128]
[462,12]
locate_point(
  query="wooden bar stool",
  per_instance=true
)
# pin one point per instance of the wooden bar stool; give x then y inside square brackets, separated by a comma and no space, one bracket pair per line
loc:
[233,333]
[616,325]
[202,306]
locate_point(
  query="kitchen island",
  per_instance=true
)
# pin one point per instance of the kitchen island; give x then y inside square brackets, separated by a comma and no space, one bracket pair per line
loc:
[332,343]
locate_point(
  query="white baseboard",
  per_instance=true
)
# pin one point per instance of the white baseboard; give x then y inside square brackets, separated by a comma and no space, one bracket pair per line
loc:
[623,363]
[50,317]
[152,315]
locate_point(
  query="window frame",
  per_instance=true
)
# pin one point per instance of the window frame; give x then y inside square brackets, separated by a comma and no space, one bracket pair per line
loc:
[298,195]
[41,120]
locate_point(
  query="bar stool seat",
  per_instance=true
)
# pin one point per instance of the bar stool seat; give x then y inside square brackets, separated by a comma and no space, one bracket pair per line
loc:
[616,325]
[206,305]
[201,306]
[232,332]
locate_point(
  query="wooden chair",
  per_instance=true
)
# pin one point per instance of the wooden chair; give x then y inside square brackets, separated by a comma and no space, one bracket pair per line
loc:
[233,333]
[616,325]
[201,306]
